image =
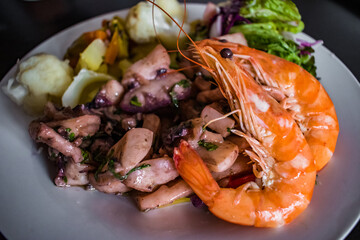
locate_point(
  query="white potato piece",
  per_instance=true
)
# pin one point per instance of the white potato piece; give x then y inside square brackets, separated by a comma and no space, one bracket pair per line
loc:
[40,78]
[93,55]
[132,148]
[139,23]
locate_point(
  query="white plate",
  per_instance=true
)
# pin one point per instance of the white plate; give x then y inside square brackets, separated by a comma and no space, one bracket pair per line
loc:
[32,207]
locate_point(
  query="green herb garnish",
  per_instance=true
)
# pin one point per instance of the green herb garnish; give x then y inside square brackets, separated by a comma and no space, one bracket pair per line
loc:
[123,177]
[68,130]
[71,137]
[184,84]
[316,180]
[228,129]
[104,161]
[86,156]
[88,137]
[65,179]
[207,145]
[135,101]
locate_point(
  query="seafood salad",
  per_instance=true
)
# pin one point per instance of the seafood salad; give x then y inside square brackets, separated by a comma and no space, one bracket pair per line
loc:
[225,112]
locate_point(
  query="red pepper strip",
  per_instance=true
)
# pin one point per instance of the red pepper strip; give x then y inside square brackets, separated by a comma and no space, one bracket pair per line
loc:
[113,49]
[235,182]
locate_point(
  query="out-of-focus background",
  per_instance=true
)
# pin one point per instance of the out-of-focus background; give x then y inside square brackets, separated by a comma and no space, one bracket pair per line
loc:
[26,23]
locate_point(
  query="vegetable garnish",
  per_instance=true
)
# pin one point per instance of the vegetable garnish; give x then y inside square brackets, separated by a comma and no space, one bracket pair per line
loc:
[135,101]
[184,83]
[71,137]
[235,181]
[123,177]
[86,156]
[207,145]
[104,161]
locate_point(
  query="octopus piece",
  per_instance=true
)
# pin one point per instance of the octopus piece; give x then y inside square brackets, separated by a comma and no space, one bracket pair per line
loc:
[147,69]
[164,195]
[40,132]
[132,148]
[214,111]
[82,126]
[110,94]
[159,93]
[160,171]
[210,96]
[106,182]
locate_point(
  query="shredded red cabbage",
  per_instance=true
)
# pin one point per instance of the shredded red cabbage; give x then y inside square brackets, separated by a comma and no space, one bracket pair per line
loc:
[303,43]
[230,15]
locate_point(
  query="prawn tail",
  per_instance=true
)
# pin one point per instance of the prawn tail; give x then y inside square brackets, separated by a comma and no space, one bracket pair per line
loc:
[195,173]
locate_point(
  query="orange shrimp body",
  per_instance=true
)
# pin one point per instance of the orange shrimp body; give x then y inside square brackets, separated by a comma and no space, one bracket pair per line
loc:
[282,158]
[305,97]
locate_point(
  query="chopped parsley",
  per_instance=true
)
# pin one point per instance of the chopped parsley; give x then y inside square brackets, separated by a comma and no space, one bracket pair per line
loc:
[111,166]
[88,137]
[229,130]
[123,177]
[104,161]
[71,137]
[65,179]
[86,156]
[184,84]
[68,130]
[135,101]
[207,145]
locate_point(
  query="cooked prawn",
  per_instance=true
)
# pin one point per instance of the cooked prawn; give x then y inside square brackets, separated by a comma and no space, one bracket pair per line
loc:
[283,159]
[305,97]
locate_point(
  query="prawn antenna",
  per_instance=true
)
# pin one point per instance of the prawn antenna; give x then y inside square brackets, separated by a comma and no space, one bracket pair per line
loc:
[181,30]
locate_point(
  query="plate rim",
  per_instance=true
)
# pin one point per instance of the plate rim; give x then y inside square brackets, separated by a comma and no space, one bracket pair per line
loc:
[7,76]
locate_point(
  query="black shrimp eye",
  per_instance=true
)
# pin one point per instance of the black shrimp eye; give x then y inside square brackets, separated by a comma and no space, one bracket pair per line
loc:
[226,53]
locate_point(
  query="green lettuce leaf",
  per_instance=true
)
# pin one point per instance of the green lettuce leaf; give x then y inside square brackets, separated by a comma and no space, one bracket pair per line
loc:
[283,13]
[266,37]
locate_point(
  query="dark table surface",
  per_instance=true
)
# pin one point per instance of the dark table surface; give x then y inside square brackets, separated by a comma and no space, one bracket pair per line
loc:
[25,24]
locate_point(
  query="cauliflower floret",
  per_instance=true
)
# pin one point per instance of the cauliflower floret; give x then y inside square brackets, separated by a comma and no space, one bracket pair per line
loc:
[40,78]
[139,23]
